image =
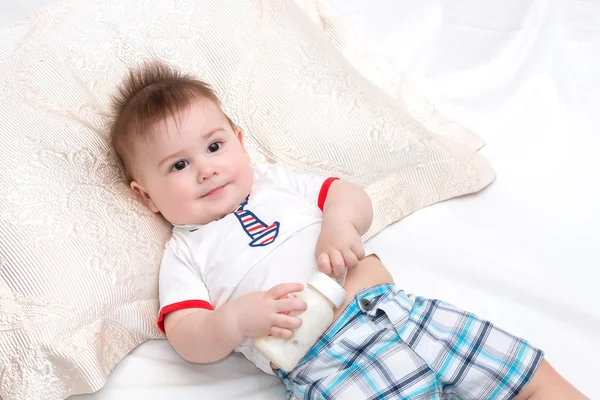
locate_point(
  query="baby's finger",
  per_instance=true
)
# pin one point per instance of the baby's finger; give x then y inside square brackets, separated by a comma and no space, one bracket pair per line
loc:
[337,262]
[290,304]
[280,332]
[350,258]
[359,250]
[286,322]
[324,264]
[283,289]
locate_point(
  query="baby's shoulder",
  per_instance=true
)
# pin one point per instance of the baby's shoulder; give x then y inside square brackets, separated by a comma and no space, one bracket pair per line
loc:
[262,170]
[176,251]
[178,242]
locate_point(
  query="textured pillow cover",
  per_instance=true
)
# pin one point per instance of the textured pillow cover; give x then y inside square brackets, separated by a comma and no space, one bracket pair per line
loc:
[78,253]
[378,69]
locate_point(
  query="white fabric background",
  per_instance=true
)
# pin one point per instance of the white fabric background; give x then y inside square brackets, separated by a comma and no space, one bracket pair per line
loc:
[524,253]
[523,75]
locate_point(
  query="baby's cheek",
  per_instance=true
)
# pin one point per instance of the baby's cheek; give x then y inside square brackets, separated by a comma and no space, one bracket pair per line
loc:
[178,196]
[247,176]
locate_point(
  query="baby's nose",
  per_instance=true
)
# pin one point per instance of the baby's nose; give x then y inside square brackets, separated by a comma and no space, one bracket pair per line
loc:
[205,171]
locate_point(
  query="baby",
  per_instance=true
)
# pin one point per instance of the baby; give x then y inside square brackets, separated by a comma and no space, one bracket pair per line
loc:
[242,232]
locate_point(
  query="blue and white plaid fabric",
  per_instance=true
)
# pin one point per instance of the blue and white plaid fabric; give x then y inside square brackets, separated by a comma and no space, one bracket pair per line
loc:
[389,345]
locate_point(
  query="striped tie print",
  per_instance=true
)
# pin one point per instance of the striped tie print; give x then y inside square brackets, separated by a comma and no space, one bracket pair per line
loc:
[260,233]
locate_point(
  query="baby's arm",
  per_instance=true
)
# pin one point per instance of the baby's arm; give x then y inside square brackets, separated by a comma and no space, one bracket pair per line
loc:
[203,336]
[347,214]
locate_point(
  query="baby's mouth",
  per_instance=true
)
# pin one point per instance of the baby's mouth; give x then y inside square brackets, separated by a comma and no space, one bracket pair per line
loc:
[213,192]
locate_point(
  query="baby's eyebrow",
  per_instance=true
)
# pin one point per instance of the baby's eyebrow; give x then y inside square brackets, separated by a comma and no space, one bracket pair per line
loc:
[177,153]
[211,132]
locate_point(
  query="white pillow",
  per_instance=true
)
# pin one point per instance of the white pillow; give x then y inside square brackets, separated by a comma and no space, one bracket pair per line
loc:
[78,253]
[379,69]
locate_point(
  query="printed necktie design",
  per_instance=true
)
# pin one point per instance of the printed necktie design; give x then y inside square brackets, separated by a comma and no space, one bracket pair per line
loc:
[260,233]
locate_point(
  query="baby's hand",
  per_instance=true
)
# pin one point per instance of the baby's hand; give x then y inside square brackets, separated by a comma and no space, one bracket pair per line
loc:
[265,313]
[339,246]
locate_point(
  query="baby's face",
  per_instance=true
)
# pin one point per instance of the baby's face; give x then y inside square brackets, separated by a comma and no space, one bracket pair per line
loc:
[194,170]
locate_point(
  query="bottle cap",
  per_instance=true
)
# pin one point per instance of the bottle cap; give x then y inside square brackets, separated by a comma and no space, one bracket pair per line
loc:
[328,287]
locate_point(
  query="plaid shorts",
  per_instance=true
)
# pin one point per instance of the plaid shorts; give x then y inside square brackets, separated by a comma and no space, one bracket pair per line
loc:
[389,345]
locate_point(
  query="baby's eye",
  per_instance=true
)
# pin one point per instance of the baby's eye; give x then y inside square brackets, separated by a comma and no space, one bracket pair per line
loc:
[214,147]
[179,165]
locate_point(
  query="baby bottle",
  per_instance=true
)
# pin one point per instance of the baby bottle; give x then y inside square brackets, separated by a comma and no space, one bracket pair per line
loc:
[322,295]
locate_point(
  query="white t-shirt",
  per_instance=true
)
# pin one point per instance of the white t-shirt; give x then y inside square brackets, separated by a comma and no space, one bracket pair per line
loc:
[269,239]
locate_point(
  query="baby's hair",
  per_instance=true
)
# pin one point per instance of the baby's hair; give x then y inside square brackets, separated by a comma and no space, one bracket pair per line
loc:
[148,95]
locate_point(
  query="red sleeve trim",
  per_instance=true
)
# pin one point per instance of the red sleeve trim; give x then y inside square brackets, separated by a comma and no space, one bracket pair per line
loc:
[182,305]
[324,191]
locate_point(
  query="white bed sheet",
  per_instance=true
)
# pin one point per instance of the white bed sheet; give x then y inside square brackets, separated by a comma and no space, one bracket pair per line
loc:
[525,253]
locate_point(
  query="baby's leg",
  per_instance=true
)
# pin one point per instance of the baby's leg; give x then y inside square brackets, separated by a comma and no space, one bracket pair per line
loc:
[387,344]
[547,384]
[472,358]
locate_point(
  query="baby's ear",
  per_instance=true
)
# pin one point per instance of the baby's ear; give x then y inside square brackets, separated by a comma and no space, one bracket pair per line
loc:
[239,134]
[143,194]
